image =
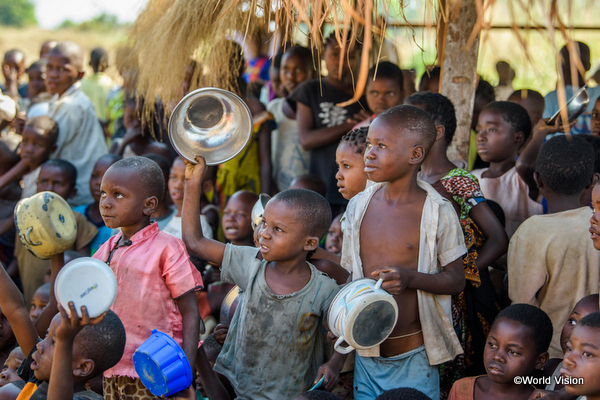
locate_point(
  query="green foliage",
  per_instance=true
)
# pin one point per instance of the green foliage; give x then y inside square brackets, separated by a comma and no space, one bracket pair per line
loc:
[101,23]
[17,13]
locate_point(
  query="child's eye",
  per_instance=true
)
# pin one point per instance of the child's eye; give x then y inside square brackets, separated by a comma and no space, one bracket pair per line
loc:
[572,321]
[102,193]
[382,146]
[368,144]
[492,345]
[119,195]
[587,354]
[513,353]
[346,166]
[278,229]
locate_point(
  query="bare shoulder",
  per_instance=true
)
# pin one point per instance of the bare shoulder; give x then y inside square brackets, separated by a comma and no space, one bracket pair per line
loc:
[255,106]
[333,270]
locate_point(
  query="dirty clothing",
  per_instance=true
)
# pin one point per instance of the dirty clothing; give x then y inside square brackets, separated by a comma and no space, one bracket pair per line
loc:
[274,346]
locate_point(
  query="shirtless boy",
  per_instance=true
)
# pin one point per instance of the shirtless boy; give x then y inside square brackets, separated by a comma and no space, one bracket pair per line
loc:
[418,256]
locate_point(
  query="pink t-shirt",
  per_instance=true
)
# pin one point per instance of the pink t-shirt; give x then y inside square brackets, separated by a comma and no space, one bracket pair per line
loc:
[152,273]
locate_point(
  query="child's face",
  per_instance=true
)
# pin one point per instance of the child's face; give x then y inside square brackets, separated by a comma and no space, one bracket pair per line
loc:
[123,200]
[54,179]
[35,146]
[37,80]
[333,243]
[388,155]
[582,360]
[351,176]
[60,73]
[275,80]
[16,63]
[496,140]
[383,93]
[584,307]
[130,116]
[176,182]
[42,357]
[11,365]
[595,220]
[40,299]
[293,71]
[332,56]
[237,224]
[510,351]
[595,121]
[282,236]
[96,179]
[7,337]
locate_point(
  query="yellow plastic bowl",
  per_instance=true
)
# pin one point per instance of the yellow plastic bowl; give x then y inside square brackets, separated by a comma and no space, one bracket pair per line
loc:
[45,224]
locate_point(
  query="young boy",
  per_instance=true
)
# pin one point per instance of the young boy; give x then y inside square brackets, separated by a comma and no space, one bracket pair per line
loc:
[516,347]
[502,130]
[156,278]
[40,300]
[58,176]
[275,342]
[531,101]
[402,231]
[582,359]
[551,261]
[81,140]
[97,86]
[237,219]
[13,68]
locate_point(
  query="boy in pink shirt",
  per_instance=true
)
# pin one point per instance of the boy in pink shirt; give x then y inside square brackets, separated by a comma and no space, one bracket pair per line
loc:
[155,277]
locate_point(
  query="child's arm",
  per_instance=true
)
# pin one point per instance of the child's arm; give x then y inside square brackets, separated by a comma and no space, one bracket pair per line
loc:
[210,250]
[14,174]
[331,371]
[60,386]
[526,161]
[43,321]
[496,240]
[215,390]
[450,281]
[13,307]
[6,225]
[188,307]
[311,138]
[264,148]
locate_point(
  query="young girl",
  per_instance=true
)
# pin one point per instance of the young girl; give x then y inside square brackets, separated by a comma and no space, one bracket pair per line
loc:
[484,236]
[321,123]
[351,176]
[92,211]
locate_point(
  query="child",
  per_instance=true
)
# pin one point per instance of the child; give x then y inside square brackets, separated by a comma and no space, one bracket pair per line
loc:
[333,243]
[484,95]
[37,92]
[551,262]
[237,221]
[156,279]
[530,100]
[285,297]
[321,123]
[502,129]
[595,121]
[384,237]
[58,176]
[176,186]
[81,140]
[582,358]
[290,160]
[351,176]
[97,86]
[476,308]
[137,141]
[13,68]
[40,299]
[164,211]
[11,365]
[516,346]
[385,89]
[506,75]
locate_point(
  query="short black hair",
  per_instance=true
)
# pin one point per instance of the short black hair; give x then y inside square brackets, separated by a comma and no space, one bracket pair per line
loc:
[39,64]
[312,182]
[103,342]
[592,320]
[331,39]
[165,165]
[403,394]
[99,59]
[318,395]
[311,208]
[429,75]
[440,109]
[111,157]
[150,174]
[514,114]
[485,90]
[595,142]
[46,125]
[388,70]
[566,164]
[304,53]
[277,60]
[412,119]
[533,318]
[64,166]
[14,53]
[529,94]
[357,138]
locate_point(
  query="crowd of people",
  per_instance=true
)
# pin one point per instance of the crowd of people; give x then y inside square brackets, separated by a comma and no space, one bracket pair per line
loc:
[494,260]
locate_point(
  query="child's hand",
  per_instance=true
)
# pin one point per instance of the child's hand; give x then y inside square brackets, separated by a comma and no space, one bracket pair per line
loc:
[220,333]
[195,172]
[331,371]
[542,127]
[70,326]
[359,117]
[131,134]
[395,279]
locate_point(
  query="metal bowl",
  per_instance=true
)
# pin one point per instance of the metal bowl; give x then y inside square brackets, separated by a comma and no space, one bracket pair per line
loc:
[259,209]
[210,122]
[575,106]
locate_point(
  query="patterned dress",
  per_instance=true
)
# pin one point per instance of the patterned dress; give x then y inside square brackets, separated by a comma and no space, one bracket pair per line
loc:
[474,309]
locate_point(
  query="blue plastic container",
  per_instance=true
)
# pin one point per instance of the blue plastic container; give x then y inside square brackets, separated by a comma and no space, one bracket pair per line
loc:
[162,365]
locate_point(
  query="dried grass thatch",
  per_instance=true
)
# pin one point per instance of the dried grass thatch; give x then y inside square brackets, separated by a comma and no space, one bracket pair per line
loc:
[168,34]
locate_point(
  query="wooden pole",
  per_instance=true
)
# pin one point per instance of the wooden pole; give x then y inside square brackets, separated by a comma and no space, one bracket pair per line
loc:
[458,79]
